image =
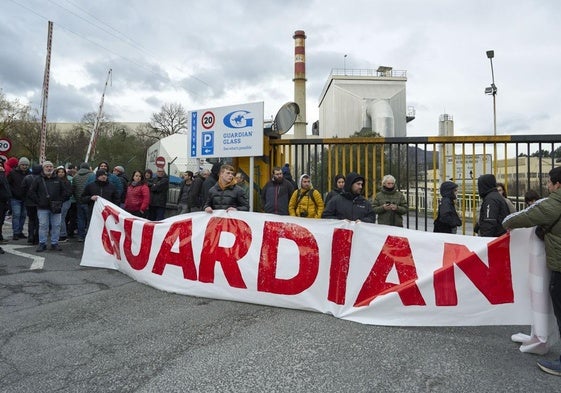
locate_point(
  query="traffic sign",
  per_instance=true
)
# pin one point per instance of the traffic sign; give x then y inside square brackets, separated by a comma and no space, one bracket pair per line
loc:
[5,145]
[160,162]
[208,120]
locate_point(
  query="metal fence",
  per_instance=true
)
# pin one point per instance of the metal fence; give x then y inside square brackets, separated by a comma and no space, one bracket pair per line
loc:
[420,164]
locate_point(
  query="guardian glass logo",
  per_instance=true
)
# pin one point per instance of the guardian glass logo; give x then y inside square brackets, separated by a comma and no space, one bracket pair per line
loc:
[238,119]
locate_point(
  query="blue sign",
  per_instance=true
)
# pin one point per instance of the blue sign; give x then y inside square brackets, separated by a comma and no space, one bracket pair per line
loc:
[207,147]
[193,134]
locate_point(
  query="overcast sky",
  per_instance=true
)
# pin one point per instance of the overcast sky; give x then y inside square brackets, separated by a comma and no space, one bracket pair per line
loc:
[212,53]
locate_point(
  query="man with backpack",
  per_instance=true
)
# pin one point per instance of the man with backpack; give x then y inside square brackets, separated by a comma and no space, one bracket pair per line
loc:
[306,201]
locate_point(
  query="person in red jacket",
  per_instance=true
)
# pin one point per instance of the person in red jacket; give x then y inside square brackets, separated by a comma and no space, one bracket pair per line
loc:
[137,197]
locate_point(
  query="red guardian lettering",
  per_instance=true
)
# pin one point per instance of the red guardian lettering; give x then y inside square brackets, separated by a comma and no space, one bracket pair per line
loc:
[111,240]
[182,231]
[494,282]
[308,259]
[340,260]
[395,252]
[227,257]
[138,262]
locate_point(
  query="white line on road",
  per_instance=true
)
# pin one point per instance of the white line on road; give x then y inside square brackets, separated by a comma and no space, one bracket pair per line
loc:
[38,261]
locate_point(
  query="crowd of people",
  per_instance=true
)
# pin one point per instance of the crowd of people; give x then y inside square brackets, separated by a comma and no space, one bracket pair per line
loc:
[57,204]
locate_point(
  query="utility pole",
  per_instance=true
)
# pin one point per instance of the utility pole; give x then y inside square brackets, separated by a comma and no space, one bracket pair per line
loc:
[95,129]
[45,97]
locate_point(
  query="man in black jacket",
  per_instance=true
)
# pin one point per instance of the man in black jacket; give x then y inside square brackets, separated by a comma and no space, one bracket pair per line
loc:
[493,208]
[158,196]
[44,190]
[15,178]
[350,205]
[101,187]
[226,194]
[448,219]
[276,194]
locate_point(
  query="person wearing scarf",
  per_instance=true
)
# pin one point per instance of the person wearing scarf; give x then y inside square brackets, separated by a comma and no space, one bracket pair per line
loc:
[226,194]
[390,204]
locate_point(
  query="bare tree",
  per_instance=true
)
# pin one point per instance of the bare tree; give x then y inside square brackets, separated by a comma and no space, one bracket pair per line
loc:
[171,119]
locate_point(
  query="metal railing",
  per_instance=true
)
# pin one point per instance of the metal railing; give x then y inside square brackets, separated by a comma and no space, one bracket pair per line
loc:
[420,164]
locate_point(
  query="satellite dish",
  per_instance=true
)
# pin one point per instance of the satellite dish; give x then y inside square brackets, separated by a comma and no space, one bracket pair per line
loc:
[284,120]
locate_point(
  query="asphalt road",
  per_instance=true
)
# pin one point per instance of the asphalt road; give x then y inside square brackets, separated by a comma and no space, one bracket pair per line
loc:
[67,328]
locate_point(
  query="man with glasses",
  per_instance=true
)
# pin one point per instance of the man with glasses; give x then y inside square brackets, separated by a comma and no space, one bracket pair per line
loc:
[15,179]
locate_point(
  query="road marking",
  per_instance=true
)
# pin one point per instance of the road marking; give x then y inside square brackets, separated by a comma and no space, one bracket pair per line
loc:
[38,261]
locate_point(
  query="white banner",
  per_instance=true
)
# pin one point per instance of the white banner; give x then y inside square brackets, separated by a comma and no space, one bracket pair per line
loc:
[368,273]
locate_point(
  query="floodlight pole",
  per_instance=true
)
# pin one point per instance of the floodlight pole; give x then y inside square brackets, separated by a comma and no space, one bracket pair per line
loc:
[493,91]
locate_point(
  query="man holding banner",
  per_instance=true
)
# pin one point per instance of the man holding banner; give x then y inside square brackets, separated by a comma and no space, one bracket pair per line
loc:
[547,214]
[226,194]
[350,205]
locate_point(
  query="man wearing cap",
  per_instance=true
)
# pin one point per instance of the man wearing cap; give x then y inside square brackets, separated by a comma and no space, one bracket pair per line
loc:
[47,188]
[79,182]
[119,171]
[101,187]
[15,179]
[350,205]
[111,178]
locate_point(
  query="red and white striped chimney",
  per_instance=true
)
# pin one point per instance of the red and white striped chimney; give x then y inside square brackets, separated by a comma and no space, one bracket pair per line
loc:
[300,82]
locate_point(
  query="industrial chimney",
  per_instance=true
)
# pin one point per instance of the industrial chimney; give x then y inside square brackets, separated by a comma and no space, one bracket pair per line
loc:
[300,82]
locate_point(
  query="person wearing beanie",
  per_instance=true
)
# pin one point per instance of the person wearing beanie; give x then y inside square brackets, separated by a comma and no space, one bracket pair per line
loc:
[31,206]
[338,188]
[47,190]
[101,187]
[493,209]
[447,220]
[15,179]
[288,176]
[111,178]
[350,204]
[390,205]
[306,201]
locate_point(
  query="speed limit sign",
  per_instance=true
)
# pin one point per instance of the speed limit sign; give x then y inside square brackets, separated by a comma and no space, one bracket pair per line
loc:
[5,145]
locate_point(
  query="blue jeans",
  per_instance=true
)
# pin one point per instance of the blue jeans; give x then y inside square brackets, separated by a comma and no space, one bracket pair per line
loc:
[82,214]
[18,216]
[65,208]
[46,218]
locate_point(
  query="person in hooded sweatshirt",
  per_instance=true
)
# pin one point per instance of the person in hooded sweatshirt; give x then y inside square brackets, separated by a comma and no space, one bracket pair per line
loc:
[338,188]
[306,201]
[448,219]
[390,204]
[493,209]
[350,204]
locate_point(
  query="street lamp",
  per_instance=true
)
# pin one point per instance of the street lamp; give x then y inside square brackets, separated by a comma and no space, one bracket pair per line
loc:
[492,90]
[345,64]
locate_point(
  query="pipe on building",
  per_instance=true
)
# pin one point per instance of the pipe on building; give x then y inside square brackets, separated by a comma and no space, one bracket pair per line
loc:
[381,117]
